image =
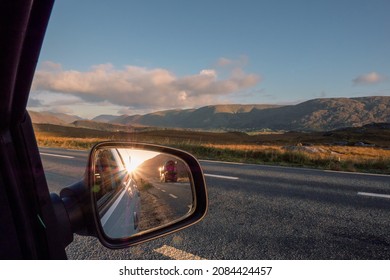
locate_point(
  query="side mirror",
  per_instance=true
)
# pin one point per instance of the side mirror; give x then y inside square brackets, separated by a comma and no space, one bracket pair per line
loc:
[140,191]
[132,193]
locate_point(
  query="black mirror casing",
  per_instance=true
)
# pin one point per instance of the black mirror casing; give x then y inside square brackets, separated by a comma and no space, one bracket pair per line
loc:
[200,200]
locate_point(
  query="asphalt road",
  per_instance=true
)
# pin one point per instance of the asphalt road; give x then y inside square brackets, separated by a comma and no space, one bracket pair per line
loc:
[177,196]
[259,212]
[119,217]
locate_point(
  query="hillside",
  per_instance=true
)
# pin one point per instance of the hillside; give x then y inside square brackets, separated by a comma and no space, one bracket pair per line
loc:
[208,117]
[52,118]
[323,114]
[104,118]
[42,118]
[313,115]
[102,126]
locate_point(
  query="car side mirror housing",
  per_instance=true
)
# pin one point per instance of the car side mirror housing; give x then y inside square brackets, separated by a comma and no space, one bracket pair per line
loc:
[134,192]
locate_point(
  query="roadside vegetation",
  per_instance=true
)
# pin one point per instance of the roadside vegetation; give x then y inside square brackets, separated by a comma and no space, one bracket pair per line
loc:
[339,150]
[351,159]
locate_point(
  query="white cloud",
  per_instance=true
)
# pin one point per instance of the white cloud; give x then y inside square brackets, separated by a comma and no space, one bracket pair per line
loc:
[34,102]
[50,66]
[222,62]
[209,72]
[138,87]
[235,63]
[369,78]
[62,110]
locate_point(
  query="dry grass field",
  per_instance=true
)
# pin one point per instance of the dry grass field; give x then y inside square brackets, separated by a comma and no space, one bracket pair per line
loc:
[345,150]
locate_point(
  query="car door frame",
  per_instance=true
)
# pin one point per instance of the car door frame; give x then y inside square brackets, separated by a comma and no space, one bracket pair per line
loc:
[29,227]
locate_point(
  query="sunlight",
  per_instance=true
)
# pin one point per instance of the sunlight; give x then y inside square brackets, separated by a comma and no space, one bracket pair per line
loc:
[134,158]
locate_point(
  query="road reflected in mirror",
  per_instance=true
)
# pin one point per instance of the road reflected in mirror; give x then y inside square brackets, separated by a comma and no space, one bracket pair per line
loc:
[138,190]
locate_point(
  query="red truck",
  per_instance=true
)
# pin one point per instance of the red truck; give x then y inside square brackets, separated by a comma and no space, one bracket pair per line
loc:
[168,172]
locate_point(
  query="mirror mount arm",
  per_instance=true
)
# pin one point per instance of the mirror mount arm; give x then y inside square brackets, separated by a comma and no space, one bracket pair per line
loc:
[74,211]
[63,222]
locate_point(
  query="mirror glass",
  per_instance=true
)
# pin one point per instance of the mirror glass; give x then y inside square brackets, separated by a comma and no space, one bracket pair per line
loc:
[137,190]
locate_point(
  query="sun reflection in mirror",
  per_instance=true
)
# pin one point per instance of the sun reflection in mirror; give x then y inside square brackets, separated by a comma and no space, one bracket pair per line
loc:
[134,158]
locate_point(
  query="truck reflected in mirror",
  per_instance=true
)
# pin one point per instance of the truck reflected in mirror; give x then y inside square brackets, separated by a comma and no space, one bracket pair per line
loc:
[137,190]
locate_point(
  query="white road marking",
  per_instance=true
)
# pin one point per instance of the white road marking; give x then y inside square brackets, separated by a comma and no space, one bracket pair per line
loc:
[374,194]
[112,208]
[222,177]
[163,190]
[171,195]
[55,155]
[176,254]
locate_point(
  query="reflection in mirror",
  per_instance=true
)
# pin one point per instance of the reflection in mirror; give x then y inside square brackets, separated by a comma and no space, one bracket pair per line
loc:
[138,190]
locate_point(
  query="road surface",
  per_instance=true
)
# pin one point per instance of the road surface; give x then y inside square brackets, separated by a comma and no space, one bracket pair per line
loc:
[259,212]
[177,196]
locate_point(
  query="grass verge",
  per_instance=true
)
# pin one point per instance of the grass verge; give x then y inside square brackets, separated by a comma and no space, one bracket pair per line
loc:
[340,158]
[357,159]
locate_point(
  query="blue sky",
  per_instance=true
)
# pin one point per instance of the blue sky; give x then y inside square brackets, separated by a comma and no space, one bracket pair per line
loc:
[115,57]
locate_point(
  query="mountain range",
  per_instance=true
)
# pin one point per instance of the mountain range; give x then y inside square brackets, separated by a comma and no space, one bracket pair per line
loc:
[314,115]
[52,118]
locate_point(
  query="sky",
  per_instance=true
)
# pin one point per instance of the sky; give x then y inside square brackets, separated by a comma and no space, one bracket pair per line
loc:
[135,57]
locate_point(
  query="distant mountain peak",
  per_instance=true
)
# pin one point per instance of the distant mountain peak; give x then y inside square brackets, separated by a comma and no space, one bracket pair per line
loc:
[105,118]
